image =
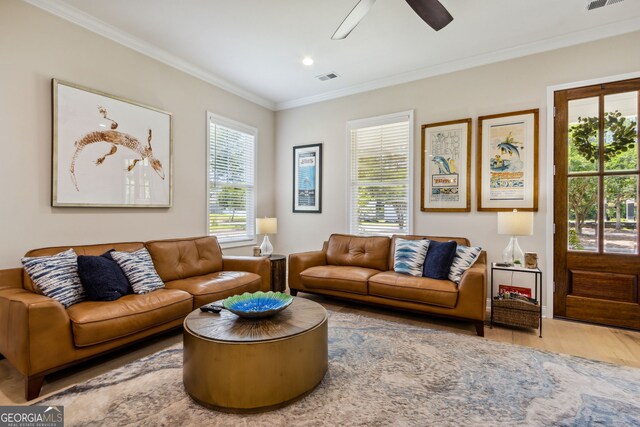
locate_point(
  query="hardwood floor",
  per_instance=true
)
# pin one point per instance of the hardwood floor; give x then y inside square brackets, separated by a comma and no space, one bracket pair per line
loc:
[611,345]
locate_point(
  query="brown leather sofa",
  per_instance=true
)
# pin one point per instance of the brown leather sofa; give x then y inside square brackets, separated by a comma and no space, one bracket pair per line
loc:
[39,336]
[361,269]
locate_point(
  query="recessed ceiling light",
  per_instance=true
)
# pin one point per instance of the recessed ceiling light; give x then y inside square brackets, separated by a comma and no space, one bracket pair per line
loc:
[307,61]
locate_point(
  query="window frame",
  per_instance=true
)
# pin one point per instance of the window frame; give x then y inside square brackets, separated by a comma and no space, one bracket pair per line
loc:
[379,121]
[218,120]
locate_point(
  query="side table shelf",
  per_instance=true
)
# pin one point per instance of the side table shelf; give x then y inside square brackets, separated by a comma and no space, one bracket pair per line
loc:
[515,312]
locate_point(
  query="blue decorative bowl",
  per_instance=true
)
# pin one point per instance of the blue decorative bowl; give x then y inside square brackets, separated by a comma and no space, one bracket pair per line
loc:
[257,304]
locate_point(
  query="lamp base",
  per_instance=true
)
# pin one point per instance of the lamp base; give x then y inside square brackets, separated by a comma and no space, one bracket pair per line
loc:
[266,248]
[513,253]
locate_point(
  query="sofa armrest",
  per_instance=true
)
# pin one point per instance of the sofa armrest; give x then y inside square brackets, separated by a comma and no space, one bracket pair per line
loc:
[472,290]
[258,265]
[35,330]
[300,262]
[11,278]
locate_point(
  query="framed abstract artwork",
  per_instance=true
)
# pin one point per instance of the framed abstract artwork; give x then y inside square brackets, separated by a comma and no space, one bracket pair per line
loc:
[508,161]
[307,178]
[108,151]
[446,167]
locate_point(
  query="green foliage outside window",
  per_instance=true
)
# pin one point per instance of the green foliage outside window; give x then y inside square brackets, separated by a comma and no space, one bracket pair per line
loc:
[620,153]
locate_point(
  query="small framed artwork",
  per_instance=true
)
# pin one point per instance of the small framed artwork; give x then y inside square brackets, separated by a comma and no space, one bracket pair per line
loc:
[508,161]
[109,151]
[446,167]
[307,178]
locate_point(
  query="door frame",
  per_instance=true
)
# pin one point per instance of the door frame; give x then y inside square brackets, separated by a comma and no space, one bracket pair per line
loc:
[550,173]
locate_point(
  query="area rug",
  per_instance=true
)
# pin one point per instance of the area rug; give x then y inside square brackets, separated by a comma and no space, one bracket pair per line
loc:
[384,373]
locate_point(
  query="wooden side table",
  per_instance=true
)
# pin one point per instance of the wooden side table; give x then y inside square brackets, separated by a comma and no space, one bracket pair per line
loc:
[278,273]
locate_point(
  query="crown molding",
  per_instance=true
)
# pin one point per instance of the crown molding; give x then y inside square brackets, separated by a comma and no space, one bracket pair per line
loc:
[97,26]
[565,40]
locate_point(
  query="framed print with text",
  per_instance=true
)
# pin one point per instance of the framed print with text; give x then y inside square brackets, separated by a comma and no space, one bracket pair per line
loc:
[109,151]
[446,167]
[307,178]
[508,161]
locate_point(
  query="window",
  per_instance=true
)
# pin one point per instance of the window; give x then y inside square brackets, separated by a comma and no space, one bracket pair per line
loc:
[380,174]
[231,191]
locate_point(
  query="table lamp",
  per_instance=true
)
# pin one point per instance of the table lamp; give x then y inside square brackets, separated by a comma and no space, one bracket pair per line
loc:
[266,226]
[514,224]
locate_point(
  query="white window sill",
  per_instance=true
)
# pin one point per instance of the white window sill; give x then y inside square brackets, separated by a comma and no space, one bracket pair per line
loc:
[238,244]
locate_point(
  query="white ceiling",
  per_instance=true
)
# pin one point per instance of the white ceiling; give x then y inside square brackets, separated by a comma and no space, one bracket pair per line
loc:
[254,48]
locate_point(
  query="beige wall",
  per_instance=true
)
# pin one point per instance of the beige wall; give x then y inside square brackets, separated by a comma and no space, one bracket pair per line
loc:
[502,87]
[35,47]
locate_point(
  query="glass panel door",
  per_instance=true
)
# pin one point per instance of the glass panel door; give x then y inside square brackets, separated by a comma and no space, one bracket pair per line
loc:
[596,190]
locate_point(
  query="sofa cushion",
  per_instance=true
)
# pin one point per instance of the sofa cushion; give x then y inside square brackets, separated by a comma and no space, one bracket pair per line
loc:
[439,258]
[79,250]
[181,258]
[390,284]
[338,278]
[56,276]
[216,286]
[465,257]
[102,278]
[366,252]
[95,322]
[458,240]
[409,256]
[139,269]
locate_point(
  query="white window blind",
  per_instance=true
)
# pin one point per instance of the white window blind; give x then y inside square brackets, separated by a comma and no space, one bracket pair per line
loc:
[231,181]
[380,175]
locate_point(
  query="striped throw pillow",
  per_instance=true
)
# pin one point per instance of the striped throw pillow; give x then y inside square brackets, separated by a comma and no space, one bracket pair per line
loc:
[409,256]
[464,258]
[139,269]
[56,276]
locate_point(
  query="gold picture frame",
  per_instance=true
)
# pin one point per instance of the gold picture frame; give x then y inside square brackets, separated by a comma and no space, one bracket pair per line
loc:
[508,161]
[109,151]
[445,172]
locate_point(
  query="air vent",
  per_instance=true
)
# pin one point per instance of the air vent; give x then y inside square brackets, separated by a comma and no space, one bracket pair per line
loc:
[595,4]
[325,77]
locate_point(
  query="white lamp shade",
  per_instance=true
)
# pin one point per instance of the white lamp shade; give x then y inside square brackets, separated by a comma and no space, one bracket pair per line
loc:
[266,225]
[515,223]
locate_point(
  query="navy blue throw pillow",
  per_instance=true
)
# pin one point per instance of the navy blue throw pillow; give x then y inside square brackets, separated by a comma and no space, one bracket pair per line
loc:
[102,278]
[439,258]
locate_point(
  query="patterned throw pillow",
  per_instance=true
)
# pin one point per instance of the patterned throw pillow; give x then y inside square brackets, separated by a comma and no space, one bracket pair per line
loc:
[465,257]
[409,256]
[139,269]
[56,276]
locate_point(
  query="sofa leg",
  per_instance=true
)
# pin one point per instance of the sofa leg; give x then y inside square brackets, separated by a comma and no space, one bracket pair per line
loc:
[32,386]
[293,292]
[479,324]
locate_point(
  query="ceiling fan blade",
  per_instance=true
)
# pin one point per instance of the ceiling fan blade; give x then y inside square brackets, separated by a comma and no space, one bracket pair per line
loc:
[432,12]
[352,19]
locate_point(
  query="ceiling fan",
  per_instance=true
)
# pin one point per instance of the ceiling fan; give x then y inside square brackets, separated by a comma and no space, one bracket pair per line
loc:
[431,11]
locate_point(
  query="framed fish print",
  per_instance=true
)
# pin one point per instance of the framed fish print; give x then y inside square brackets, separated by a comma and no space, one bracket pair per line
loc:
[307,178]
[508,161]
[109,151]
[446,167]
